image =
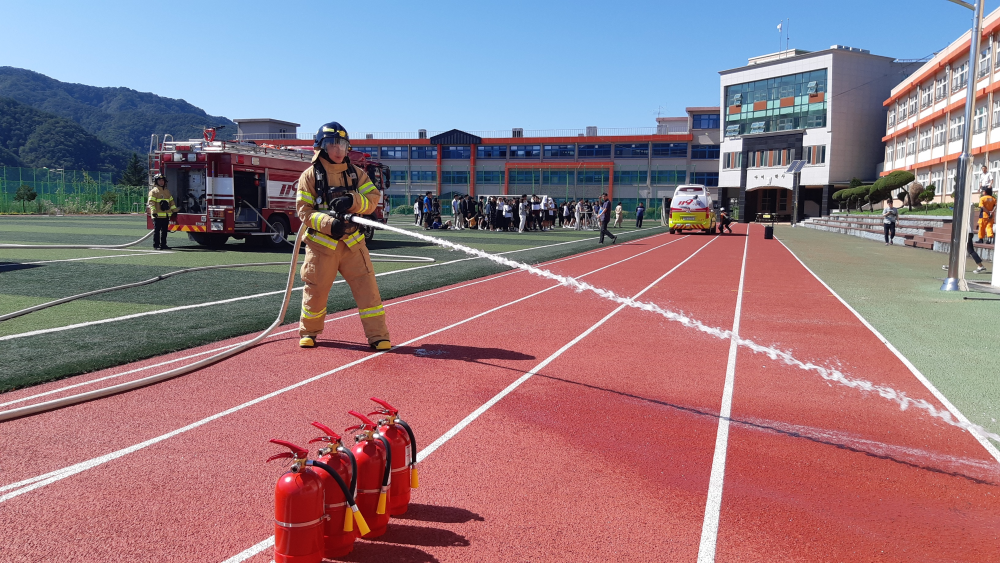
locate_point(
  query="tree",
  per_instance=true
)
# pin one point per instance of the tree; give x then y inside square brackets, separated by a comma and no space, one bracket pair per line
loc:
[883,187]
[135,172]
[927,195]
[840,196]
[25,193]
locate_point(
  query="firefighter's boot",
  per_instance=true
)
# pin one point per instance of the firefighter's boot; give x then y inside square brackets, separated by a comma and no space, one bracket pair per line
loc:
[307,342]
[381,345]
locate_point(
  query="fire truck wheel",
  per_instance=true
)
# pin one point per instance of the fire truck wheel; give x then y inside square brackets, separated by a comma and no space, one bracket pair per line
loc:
[281,229]
[209,240]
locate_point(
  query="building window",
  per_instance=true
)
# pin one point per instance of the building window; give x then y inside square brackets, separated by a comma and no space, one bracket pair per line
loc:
[530,177]
[423,176]
[494,151]
[489,176]
[561,177]
[592,177]
[705,121]
[630,177]
[984,62]
[936,181]
[960,77]
[705,178]
[668,177]
[888,155]
[815,154]
[762,103]
[892,119]
[911,145]
[397,176]
[923,178]
[956,129]
[456,152]
[704,152]
[370,151]
[996,114]
[455,177]
[670,150]
[939,134]
[925,139]
[816,120]
[595,151]
[732,160]
[941,89]
[424,152]
[926,96]
[951,181]
[979,120]
[638,150]
[393,152]
[525,151]
[901,113]
[913,105]
[559,151]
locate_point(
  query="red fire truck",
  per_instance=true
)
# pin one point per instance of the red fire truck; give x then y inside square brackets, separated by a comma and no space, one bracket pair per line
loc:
[241,190]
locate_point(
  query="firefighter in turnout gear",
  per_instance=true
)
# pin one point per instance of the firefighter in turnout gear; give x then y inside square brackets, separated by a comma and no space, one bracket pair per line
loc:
[161,207]
[333,186]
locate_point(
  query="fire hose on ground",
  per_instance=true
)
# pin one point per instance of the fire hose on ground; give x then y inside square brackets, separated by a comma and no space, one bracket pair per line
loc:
[157,378]
[78,246]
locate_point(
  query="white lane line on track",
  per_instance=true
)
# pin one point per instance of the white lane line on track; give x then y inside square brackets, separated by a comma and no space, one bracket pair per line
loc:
[429,449]
[265,294]
[219,349]
[59,474]
[990,448]
[710,525]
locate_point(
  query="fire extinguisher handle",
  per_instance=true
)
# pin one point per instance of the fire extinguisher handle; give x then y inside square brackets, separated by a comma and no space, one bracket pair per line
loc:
[326,430]
[289,455]
[389,409]
[297,451]
[365,421]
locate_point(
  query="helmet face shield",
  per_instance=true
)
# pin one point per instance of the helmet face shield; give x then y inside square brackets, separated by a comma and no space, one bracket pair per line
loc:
[329,144]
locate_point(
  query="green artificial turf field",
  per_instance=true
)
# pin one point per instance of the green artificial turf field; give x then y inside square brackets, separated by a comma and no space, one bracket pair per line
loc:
[32,276]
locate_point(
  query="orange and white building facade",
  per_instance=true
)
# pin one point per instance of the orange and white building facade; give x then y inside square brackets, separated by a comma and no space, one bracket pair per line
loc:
[925,123]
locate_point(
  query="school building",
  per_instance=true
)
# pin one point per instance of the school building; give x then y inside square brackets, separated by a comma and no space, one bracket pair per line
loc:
[824,107]
[925,121]
[636,163]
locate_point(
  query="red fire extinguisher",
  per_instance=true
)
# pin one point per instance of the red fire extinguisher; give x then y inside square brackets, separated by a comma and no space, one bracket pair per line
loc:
[374,457]
[298,510]
[339,530]
[404,456]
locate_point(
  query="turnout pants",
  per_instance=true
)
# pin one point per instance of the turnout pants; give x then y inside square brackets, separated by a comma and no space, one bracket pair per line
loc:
[160,231]
[318,273]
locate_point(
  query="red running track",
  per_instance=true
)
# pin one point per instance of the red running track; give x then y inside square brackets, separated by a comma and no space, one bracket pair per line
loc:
[605,453]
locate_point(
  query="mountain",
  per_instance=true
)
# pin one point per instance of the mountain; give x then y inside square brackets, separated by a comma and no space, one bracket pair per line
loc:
[36,139]
[121,117]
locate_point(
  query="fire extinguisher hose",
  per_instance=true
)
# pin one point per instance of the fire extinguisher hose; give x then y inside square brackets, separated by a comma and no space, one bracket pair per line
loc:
[386,475]
[354,469]
[79,246]
[414,481]
[348,494]
[146,381]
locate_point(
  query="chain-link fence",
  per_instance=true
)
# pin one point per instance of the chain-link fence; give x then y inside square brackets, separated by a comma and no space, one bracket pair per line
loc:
[67,191]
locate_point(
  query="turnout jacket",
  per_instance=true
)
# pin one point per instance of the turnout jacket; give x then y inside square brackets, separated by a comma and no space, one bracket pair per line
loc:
[156,195]
[311,209]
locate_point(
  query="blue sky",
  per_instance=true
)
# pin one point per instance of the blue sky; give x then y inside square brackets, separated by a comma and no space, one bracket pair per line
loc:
[440,64]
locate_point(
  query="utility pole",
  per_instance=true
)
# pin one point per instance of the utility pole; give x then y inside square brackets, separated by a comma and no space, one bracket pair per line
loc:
[963,186]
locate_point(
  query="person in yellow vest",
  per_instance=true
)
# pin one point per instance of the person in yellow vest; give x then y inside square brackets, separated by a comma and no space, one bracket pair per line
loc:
[327,190]
[161,207]
[987,206]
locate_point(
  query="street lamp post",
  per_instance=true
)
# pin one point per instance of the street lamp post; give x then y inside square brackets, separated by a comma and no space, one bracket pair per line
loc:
[963,188]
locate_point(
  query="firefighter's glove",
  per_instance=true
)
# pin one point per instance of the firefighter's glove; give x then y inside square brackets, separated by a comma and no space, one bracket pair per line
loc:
[338,227]
[342,204]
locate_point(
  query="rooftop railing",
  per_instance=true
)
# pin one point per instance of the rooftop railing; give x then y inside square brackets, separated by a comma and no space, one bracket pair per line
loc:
[492,134]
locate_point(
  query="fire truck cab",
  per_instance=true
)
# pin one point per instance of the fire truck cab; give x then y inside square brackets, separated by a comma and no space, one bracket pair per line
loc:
[241,190]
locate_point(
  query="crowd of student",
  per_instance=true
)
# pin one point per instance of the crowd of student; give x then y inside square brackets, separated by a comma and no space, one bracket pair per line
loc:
[516,213]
